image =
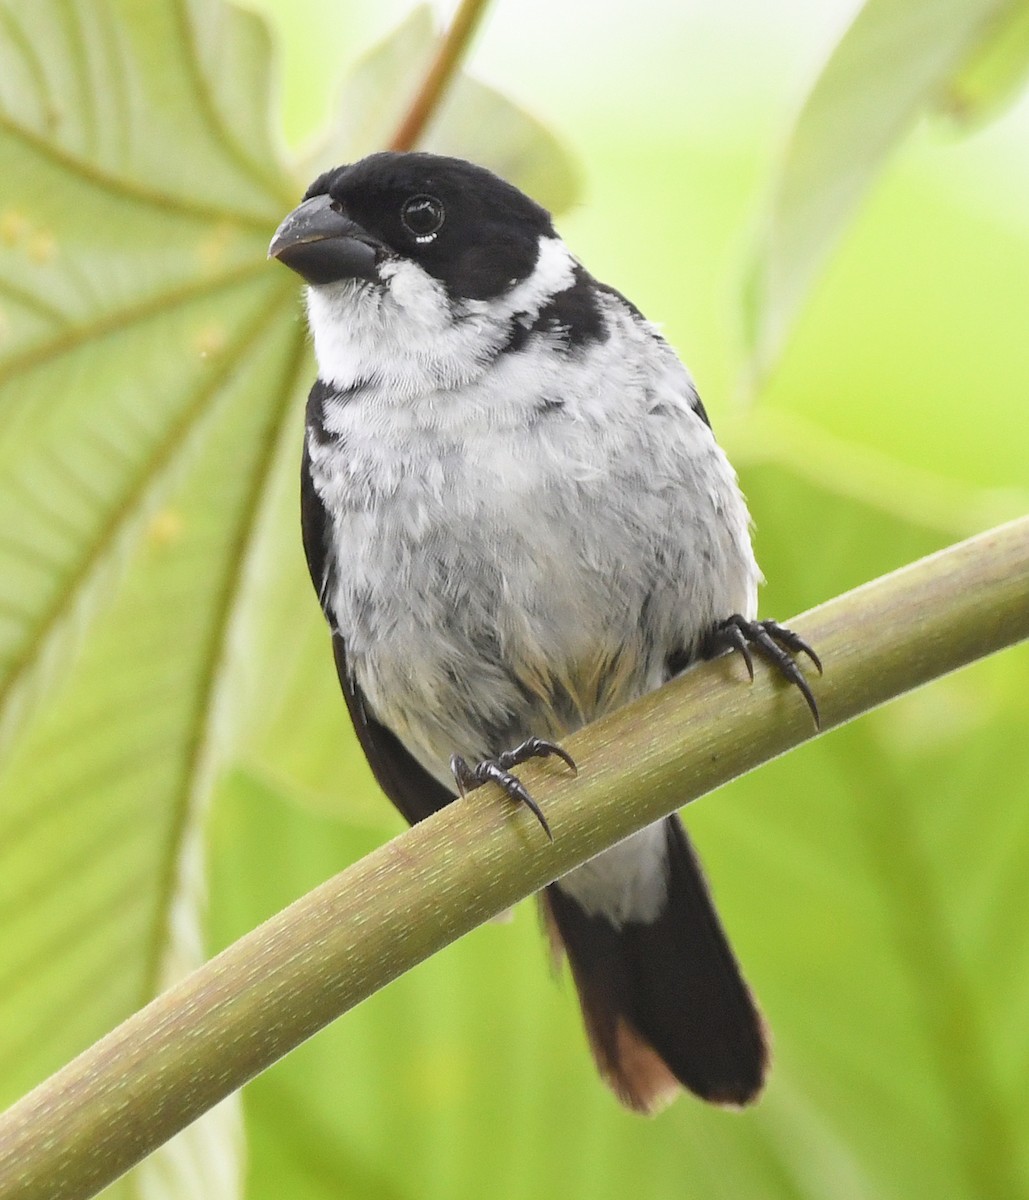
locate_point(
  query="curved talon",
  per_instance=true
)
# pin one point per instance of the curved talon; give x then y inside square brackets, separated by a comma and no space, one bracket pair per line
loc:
[792,641]
[739,643]
[464,777]
[496,770]
[517,791]
[775,643]
[535,747]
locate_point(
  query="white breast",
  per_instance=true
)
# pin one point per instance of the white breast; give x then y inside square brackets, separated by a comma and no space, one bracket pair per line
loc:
[506,571]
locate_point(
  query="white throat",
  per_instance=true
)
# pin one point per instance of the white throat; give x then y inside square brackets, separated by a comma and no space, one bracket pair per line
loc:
[409,338]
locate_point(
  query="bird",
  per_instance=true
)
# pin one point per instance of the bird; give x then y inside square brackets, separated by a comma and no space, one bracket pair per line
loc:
[516,519]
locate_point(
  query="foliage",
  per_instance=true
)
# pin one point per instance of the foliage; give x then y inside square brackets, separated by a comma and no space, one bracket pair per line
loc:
[165,682]
[895,57]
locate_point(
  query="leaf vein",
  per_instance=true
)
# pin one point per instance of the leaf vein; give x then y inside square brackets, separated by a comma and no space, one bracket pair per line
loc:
[224,137]
[217,655]
[130,189]
[74,336]
[154,468]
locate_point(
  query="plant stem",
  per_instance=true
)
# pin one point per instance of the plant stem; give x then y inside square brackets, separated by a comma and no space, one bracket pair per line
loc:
[264,995]
[452,47]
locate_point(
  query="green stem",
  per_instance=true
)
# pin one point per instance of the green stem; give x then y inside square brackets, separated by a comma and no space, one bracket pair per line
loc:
[452,47]
[267,993]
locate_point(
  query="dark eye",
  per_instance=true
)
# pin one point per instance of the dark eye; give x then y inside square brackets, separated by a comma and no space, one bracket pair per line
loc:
[423,216]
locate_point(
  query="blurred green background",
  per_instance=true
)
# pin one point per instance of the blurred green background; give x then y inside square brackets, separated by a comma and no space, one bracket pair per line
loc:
[177,763]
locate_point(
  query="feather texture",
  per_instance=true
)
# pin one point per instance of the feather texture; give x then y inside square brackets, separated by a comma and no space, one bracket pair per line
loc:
[516,518]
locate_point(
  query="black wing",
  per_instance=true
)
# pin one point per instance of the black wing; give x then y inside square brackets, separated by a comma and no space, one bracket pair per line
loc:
[415,792]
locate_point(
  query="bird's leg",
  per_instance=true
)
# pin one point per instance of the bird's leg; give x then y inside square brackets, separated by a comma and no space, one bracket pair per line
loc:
[498,770]
[773,642]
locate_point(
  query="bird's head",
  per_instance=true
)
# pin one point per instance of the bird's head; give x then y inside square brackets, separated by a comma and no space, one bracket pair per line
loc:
[419,268]
[458,223]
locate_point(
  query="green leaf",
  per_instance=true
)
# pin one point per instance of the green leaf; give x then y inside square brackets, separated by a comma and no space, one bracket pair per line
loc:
[134,225]
[895,59]
[996,72]
[148,365]
[152,586]
[473,121]
[910,370]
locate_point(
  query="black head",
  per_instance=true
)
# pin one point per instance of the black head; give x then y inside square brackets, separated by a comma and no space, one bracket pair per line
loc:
[465,226]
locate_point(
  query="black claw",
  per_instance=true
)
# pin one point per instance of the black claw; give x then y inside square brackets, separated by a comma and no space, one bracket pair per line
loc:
[775,643]
[535,747]
[518,791]
[791,672]
[497,770]
[792,641]
[463,774]
[739,643]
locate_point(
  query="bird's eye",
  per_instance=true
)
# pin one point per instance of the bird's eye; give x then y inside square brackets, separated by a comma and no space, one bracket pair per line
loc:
[423,216]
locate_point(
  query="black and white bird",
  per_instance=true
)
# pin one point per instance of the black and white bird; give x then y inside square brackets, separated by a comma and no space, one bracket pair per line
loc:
[516,518]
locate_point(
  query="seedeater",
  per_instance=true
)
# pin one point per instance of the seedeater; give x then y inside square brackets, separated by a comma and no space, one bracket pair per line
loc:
[516,518]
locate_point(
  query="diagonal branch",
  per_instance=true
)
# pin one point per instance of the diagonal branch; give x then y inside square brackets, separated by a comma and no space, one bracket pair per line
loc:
[452,48]
[277,986]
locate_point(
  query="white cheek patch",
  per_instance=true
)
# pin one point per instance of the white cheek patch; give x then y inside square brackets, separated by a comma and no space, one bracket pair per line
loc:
[554,272]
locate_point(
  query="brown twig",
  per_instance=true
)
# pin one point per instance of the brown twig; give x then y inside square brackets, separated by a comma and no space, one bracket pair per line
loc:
[452,47]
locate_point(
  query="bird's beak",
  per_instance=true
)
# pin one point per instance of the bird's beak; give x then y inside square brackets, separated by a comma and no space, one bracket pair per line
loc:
[324,246]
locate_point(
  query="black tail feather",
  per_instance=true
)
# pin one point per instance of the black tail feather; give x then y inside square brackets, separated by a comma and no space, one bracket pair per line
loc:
[664,1002]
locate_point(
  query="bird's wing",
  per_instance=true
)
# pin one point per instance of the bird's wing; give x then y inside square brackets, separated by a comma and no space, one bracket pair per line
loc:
[415,792]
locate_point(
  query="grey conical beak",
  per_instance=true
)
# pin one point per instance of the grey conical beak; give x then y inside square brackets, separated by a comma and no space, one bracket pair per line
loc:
[324,246]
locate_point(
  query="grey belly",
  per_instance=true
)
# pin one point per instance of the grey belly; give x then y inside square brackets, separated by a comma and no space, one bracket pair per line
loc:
[470,657]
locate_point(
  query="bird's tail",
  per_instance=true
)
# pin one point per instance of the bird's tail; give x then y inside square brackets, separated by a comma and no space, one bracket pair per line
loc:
[663,999]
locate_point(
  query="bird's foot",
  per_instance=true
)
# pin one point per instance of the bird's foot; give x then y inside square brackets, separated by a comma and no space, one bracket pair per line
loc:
[498,770]
[773,642]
